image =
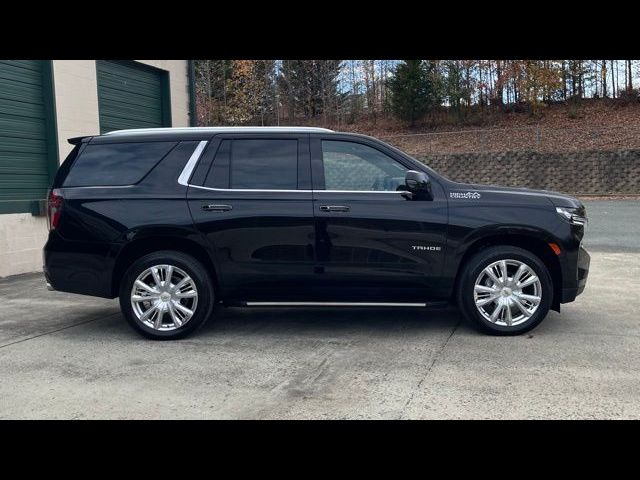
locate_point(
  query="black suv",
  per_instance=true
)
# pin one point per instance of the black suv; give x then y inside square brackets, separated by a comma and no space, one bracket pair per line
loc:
[175,220]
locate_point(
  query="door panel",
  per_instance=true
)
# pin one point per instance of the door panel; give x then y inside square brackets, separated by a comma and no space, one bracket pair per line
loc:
[384,246]
[263,244]
[375,245]
[262,237]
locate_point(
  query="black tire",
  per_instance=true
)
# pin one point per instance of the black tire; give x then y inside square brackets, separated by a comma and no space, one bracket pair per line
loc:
[191,267]
[473,268]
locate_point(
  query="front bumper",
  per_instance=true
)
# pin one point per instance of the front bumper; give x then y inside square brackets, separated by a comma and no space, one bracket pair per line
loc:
[582,272]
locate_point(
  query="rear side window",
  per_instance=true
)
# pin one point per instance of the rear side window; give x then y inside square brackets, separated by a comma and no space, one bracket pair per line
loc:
[116,164]
[264,164]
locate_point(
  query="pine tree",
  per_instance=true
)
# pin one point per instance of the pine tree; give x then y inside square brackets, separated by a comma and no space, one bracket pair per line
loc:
[410,91]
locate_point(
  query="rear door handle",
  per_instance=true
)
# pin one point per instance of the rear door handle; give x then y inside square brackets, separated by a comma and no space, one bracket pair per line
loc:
[216,208]
[334,208]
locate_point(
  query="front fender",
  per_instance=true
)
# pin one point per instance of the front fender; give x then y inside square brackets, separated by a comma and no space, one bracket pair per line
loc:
[460,247]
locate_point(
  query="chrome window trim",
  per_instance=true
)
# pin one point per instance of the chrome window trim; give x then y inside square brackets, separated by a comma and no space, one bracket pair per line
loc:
[188,169]
[292,191]
[185,175]
[362,191]
[247,189]
[103,186]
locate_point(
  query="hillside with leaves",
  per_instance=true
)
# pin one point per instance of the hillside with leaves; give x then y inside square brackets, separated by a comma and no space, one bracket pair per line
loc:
[439,106]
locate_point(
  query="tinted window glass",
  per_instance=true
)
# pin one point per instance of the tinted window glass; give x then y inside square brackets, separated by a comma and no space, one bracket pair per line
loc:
[353,166]
[264,164]
[218,176]
[116,163]
[66,165]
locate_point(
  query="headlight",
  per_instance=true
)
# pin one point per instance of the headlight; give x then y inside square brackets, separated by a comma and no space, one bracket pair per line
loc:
[576,216]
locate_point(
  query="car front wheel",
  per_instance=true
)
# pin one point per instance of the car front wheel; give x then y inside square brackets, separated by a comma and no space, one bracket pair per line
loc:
[505,290]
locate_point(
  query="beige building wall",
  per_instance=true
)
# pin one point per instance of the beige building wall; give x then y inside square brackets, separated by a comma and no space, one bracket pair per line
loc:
[76,93]
[23,235]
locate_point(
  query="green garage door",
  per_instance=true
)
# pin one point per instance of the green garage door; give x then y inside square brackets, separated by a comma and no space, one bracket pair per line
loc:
[131,95]
[28,154]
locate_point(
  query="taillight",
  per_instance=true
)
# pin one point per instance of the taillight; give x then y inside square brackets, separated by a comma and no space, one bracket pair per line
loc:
[54,207]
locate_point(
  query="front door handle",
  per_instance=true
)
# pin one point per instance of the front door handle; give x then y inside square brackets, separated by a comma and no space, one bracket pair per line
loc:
[216,208]
[334,208]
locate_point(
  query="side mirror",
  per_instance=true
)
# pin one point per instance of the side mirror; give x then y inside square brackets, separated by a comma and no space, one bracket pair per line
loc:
[419,185]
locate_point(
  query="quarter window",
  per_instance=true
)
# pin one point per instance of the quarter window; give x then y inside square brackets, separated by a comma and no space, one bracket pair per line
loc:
[358,167]
[113,164]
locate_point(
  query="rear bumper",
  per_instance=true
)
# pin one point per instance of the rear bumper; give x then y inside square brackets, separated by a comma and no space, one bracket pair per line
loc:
[77,267]
[569,294]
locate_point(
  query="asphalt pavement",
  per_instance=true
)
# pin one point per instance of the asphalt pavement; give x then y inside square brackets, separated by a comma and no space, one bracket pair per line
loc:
[614,225]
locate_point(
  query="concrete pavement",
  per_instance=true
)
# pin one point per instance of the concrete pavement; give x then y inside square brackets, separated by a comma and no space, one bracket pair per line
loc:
[68,356]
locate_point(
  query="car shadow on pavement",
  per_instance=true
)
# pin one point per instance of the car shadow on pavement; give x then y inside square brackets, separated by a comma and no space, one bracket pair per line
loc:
[326,321]
[330,320]
[231,321]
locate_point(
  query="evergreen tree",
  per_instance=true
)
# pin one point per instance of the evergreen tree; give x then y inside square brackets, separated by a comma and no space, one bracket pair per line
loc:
[411,90]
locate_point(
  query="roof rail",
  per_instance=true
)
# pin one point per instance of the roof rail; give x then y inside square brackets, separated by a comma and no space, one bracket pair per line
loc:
[134,131]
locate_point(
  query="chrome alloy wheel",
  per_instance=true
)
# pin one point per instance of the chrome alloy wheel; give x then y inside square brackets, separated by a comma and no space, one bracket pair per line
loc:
[507,292]
[164,291]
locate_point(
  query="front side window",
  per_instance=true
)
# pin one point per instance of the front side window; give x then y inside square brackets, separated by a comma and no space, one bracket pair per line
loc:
[255,164]
[357,167]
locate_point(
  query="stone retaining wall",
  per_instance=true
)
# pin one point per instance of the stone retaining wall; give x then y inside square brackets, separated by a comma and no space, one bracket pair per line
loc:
[586,173]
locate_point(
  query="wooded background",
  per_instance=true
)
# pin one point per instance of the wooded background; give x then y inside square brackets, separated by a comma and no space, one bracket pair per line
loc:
[415,93]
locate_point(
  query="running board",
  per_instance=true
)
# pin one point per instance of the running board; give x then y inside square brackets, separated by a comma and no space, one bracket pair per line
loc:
[338,304]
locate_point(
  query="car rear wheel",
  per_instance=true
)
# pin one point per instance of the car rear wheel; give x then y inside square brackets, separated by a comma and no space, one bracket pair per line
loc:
[166,295]
[505,290]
